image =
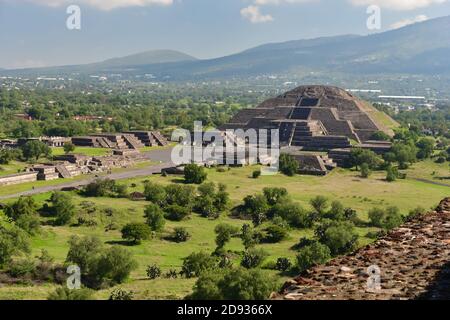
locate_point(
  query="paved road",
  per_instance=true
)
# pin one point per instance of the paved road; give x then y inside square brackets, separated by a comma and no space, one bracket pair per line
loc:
[162,156]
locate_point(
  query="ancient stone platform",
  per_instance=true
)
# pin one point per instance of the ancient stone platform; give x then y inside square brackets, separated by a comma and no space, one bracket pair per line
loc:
[414,261]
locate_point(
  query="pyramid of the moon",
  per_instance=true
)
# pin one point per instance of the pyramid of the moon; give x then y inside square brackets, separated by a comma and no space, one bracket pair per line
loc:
[313,117]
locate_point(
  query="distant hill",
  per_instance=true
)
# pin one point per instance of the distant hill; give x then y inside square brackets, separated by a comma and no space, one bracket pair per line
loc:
[145,58]
[421,48]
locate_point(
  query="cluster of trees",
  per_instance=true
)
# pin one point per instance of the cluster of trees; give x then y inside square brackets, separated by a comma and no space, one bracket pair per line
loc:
[105,188]
[53,111]
[30,151]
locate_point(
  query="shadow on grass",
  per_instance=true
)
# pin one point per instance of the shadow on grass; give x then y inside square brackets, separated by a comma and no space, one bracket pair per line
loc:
[125,243]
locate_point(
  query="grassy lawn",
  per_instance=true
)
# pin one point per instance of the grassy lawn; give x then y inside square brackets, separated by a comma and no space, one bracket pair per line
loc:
[343,185]
[12,168]
[87,151]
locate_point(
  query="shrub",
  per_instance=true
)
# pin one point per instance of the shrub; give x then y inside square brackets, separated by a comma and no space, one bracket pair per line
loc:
[62,208]
[13,241]
[155,217]
[256,207]
[312,254]
[115,265]
[275,234]
[275,195]
[100,188]
[417,212]
[136,232]
[288,165]
[69,147]
[248,236]
[180,235]
[234,284]
[256,174]
[391,174]
[224,232]
[176,213]
[291,212]
[21,267]
[121,294]
[197,263]
[376,217]
[340,237]
[155,193]
[153,271]
[194,174]
[180,195]
[24,213]
[171,274]
[253,258]
[64,293]
[320,204]
[365,171]
[283,264]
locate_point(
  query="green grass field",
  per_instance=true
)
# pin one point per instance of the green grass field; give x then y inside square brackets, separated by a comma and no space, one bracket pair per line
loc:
[343,185]
[87,151]
[12,168]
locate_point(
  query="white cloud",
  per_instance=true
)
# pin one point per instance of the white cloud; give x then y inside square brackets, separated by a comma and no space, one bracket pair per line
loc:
[101,4]
[406,22]
[398,4]
[254,15]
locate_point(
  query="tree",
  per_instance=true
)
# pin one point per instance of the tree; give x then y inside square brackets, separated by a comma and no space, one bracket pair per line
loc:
[100,188]
[255,206]
[339,236]
[253,258]
[136,232]
[288,165]
[180,195]
[365,171]
[176,213]
[84,253]
[34,149]
[197,263]
[391,174]
[376,217]
[155,193]
[291,212]
[312,254]
[62,208]
[234,284]
[194,174]
[69,147]
[114,266]
[275,234]
[320,204]
[224,232]
[24,213]
[380,136]
[155,217]
[426,148]
[248,236]
[275,195]
[337,211]
[359,156]
[13,241]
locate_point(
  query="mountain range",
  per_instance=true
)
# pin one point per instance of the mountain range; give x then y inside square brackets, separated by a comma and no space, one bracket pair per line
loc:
[421,48]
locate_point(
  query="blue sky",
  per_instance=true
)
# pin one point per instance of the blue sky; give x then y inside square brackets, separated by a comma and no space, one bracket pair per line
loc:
[33,32]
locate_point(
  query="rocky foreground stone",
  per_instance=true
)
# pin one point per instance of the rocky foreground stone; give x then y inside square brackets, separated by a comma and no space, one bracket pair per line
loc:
[413,262]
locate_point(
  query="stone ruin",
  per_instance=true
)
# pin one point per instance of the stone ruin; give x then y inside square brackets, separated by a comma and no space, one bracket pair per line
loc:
[413,263]
[126,140]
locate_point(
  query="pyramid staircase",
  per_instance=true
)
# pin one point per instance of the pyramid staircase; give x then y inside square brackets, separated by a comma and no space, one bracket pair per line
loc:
[132,142]
[160,139]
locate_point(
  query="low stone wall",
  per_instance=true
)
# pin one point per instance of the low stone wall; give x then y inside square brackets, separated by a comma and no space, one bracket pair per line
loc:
[18,178]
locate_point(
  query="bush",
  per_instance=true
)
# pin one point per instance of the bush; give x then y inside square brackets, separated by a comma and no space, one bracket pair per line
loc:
[283,264]
[21,267]
[100,265]
[121,295]
[312,254]
[64,293]
[234,284]
[340,237]
[387,219]
[224,232]
[194,174]
[365,171]
[288,165]
[62,208]
[256,207]
[24,213]
[155,217]
[100,188]
[320,204]
[256,174]
[180,195]
[13,241]
[248,236]
[253,258]
[291,212]
[275,195]
[391,174]
[68,147]
[176,213]
[153,272]
[197,263]
[180,235]
[155,193]
[275,234]
[136,232]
